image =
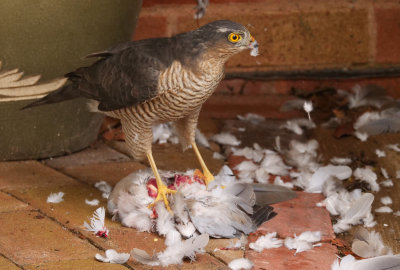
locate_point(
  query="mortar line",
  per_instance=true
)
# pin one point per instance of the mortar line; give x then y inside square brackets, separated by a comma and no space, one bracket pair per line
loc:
[75,232]
[7,258]
[217,258]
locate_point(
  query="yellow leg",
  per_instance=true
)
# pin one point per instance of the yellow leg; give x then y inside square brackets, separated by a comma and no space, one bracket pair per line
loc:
[162,188]
[208,176]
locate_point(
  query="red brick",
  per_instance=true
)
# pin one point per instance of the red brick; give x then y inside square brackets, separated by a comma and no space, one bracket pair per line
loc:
[26,237]
[388,34]
[230,106]
[9,203]
[25,174]
[319,258]
[299,215]
[148,3]
[150,26]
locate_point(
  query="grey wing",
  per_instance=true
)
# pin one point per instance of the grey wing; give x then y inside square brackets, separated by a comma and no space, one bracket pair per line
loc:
[121,79]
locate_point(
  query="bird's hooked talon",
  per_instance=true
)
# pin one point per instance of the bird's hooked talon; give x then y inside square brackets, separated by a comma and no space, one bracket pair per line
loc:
[162,195]
[206,176]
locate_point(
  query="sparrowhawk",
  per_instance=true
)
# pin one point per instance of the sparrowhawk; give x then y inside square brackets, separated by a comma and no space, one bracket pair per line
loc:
[157,80]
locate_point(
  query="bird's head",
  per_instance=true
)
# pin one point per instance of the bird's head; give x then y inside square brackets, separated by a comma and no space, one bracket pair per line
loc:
[227,37]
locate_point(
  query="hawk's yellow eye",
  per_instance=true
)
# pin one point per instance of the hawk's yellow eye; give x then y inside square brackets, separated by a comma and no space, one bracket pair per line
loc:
[234,37]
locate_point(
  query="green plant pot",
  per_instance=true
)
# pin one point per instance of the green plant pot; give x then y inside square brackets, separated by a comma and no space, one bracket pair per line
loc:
[51,38]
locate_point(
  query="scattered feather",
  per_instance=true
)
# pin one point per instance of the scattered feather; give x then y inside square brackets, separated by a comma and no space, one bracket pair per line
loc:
[369,95]
[398,174]
[292,105]
[113,256]
[387,183]
[93,202]
[201,139]
[397,213]
[308,107]
[217,155]
[241,264]
[374,123]
[173,254]
[278,181]
[55,197]
[358,210]
[249,153]
[367,175]
[97,225]
[362,136]
[297,125]
[384,209]
[226,138]
[254,48]
[341,161]
[377,263]
[303,242]
[324,173]
[266,241]
[252,118]
[386,200]
[393,147]
[368,244]
[384,173]
[104,187]
[380,153]
[163,133]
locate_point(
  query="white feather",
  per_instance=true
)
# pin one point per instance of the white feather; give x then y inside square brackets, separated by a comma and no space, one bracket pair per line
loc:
[55,197]
[165,219]
[386,200]
[397,213]
[241,264]
[380,153]
[384,173]
[226,138]
[112,256]
[175,253]
[249,153]
[341,161]
[217,155]
[97,222]
[278,181]
[274,164]
[324,173]
[252,118]
[367,175]
[201,139]
[368,95]
[266,241]
[303,242]
[308,107]
[398,174]
[393,147]
[297,125]
[246,166]
[93,202]
[104,187]
[369,244]
[377,263]
[358,210]
[384,209]
[387,183]
[362,136]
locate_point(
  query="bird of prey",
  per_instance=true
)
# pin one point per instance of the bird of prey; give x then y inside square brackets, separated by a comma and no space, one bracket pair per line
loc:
[157,80]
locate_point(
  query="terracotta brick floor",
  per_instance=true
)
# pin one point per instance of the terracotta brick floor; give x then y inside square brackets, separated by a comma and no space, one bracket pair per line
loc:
[38,235]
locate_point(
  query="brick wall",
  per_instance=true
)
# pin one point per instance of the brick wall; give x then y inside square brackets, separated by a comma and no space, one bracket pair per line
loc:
[307,36]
